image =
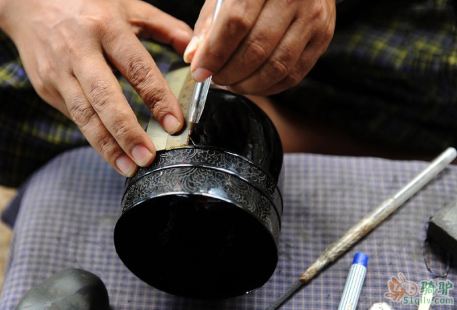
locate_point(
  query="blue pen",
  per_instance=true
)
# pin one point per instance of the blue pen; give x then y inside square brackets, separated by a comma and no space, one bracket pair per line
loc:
[354,282]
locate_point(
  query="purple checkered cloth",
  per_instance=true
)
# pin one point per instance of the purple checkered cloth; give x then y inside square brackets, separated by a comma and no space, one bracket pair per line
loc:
[70,207]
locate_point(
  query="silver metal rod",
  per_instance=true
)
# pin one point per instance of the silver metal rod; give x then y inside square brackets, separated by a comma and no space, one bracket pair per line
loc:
[370,222]
[201,88]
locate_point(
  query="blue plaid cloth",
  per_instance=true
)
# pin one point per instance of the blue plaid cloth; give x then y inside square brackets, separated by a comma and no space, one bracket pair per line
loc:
[70,207]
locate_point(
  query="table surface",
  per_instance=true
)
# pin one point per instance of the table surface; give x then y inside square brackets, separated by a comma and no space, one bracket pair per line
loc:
[70,207]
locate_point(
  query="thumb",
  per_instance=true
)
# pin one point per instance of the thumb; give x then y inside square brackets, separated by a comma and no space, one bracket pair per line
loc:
[202,28]
[159,25]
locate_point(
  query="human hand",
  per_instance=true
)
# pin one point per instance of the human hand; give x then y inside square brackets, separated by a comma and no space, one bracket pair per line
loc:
[260,47]
[65,47]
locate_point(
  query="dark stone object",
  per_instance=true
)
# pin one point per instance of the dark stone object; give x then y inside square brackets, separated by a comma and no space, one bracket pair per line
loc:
[442,232]
[68,289]
[203,220]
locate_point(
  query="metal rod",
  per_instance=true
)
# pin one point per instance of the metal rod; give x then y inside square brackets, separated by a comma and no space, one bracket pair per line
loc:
[370,222]
[201,88]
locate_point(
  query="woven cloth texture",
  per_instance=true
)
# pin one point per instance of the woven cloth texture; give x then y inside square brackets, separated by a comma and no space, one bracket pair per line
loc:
[70,207]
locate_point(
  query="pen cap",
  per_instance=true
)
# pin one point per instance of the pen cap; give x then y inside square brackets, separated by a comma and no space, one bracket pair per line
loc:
[360,259]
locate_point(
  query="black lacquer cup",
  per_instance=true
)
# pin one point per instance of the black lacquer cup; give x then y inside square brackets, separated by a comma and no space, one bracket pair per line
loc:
[203,220]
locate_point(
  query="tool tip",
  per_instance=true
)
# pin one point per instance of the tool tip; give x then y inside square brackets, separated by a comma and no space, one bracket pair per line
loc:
[452,152]
[284,298]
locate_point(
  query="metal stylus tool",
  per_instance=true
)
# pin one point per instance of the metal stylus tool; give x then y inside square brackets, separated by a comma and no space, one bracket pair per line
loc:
[201,88]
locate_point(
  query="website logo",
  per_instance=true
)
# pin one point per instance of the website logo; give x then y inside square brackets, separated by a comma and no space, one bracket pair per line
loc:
[432,292]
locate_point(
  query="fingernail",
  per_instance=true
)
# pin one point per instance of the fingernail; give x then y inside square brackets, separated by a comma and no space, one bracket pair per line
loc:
[125,165]
[201,74]
[141,155]
[171,124]
[191,49]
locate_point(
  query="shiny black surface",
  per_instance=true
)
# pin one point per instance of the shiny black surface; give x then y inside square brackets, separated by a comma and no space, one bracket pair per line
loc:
[206,157]
[196,246]
[233,123]
[203,220]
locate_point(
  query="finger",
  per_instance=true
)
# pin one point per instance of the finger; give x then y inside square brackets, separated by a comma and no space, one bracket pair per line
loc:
[128,55]
[84,116]
[202,27]
[104,94]
[49,94]
[235,20]
[161,26]
[281,62]
[205,17]
[316,46]
[260,43]
[304,64]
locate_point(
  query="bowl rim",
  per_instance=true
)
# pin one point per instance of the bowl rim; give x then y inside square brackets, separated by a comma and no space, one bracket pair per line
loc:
[271,197]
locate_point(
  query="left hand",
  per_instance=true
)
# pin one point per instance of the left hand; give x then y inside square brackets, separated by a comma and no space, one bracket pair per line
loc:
[260,47]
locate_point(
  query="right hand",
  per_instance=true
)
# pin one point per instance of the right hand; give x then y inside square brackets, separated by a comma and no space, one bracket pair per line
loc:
[64,46]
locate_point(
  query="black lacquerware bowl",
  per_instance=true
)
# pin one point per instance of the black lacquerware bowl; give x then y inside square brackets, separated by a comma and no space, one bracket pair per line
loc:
[203,220]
